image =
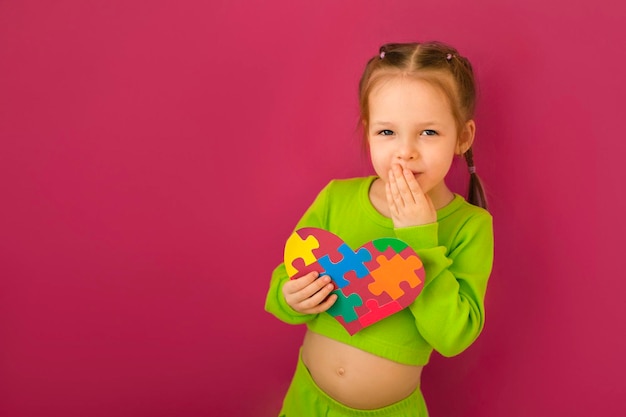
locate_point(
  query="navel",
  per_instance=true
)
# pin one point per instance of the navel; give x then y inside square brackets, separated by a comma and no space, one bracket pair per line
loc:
[341,371]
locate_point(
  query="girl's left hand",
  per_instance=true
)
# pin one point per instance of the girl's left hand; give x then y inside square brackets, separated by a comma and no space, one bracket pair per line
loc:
[408,204]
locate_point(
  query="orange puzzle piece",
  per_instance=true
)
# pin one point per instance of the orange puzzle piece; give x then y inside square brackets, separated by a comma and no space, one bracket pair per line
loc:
[392,272]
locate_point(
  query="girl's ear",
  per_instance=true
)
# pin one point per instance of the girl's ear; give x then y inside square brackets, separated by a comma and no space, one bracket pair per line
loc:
[466,138]
[364,129]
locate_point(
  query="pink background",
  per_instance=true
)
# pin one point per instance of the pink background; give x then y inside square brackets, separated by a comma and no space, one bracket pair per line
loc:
[154,156]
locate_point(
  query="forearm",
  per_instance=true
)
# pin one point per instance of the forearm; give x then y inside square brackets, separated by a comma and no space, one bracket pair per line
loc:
[449,312]
[275,302]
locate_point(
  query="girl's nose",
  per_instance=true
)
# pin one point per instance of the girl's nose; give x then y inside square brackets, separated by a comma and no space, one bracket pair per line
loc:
[407,151]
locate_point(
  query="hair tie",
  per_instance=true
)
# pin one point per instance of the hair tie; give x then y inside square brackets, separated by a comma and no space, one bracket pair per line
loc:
[472,169]
[382,54]
[449,57]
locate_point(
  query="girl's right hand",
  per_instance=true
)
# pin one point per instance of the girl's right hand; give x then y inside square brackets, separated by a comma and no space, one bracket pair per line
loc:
[308,294]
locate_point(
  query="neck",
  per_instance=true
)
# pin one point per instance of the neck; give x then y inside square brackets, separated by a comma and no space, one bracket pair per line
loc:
[441,196]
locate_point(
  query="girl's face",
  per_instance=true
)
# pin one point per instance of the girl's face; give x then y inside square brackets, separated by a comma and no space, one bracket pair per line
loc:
[411,124]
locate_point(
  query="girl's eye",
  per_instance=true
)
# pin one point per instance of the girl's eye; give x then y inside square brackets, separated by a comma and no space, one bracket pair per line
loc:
[385,132]
[429,132]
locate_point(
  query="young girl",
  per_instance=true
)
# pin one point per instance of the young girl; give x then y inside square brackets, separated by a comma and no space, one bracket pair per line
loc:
[417,106]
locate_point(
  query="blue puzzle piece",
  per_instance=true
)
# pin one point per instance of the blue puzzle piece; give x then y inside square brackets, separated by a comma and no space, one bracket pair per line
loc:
[352,261]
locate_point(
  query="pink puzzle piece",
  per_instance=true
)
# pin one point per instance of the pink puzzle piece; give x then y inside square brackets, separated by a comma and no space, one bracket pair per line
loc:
[302,269]
[377,313]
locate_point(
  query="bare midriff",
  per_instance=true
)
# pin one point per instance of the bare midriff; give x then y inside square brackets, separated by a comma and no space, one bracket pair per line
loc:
[357,378]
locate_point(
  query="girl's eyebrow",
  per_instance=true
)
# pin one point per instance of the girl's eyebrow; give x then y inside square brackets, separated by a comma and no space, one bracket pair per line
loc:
[385,123]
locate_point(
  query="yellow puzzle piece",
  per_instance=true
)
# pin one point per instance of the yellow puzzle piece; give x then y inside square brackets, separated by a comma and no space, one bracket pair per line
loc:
[296,248]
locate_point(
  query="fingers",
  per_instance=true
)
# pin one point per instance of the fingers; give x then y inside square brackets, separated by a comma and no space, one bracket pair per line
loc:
[325,304]
[394,189]
[407,202]
[412,186]
[309,294]
[391,202]
[402,188]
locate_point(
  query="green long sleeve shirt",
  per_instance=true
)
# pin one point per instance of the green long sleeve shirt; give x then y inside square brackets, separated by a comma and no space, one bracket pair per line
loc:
[457,252]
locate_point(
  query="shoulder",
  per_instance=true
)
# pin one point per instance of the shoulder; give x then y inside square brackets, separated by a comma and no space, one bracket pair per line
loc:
[337,191]
[461,218]
[348,185]
[459,210]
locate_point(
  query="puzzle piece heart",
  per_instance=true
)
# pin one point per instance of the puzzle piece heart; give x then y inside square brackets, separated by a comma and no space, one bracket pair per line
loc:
[372,282]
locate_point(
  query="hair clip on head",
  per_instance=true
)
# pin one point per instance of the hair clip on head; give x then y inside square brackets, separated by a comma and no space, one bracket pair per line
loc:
[449,57]
[382,54]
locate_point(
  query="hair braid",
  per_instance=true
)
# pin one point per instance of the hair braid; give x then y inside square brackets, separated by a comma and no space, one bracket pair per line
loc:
[475,193]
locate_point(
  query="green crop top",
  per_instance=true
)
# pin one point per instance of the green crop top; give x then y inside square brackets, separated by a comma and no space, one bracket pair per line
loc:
[457,252]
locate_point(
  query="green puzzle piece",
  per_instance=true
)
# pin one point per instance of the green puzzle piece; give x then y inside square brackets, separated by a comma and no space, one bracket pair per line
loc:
[344,306]
[383,243]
